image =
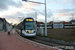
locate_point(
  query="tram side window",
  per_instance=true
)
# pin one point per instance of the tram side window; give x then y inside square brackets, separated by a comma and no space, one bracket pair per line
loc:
[22,27]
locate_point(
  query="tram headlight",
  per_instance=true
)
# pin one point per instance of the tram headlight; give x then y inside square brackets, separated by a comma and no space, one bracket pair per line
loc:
[34,32]
[26,31]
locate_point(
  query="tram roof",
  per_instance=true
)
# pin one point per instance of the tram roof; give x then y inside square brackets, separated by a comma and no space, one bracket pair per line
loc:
[25,18]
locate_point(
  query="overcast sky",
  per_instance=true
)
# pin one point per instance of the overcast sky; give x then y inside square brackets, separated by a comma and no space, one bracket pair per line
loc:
[57,10]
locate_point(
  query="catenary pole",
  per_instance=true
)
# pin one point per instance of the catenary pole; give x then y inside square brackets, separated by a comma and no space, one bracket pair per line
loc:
[36,20]
[45,20]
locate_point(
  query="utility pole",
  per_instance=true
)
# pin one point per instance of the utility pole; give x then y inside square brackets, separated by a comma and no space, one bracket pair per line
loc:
[36,20]
[45,20]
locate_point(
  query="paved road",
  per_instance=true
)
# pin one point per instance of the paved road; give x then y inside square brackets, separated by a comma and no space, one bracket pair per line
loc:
[13,42]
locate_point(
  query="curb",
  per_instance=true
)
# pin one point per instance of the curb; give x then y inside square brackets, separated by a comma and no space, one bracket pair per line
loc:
[35,44]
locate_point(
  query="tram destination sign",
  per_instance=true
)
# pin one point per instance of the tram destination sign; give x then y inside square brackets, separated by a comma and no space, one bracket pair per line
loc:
[29,19]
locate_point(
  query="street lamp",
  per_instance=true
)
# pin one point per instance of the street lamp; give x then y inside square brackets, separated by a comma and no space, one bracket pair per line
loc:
[45,14]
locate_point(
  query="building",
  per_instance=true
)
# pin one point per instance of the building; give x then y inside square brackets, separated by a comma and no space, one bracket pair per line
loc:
[3,24]
[66,22]
[40,23]
[62,22]
[72,21]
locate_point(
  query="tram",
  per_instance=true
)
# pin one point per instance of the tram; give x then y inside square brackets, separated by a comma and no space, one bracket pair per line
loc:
[26,27]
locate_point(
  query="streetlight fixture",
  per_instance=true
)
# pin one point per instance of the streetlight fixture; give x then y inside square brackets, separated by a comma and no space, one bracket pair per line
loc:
[45,14]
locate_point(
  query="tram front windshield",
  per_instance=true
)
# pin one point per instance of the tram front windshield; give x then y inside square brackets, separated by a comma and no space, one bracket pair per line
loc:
[29,26]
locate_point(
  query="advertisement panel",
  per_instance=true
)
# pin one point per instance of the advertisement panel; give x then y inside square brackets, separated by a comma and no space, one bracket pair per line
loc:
[57,25]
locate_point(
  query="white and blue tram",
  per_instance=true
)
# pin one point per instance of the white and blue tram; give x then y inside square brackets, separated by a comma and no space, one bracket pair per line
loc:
[26,27]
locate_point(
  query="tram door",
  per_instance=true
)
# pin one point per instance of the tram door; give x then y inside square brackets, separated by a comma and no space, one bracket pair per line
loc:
[1,25]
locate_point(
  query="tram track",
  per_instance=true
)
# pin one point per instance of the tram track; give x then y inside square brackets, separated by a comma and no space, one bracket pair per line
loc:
[53,44]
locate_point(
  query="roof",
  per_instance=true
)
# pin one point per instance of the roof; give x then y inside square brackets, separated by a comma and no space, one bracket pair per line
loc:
[40,22]
[72,21]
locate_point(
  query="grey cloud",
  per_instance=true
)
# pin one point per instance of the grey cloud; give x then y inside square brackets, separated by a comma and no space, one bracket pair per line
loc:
[49,13]
[4,4]
[73,1]
[42,12]
[65,10]
[34,9]
[20,13]
[31,15]
[14,16]
[16,4]
[54,1]
[43,20]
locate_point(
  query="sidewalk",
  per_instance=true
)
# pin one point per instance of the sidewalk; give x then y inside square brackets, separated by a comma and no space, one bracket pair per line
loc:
[12,42]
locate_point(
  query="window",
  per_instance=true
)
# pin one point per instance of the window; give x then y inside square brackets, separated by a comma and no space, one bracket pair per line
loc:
[29,26]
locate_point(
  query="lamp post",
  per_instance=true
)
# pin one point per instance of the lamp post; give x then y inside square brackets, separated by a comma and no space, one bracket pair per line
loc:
[45,14]
[36,20]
